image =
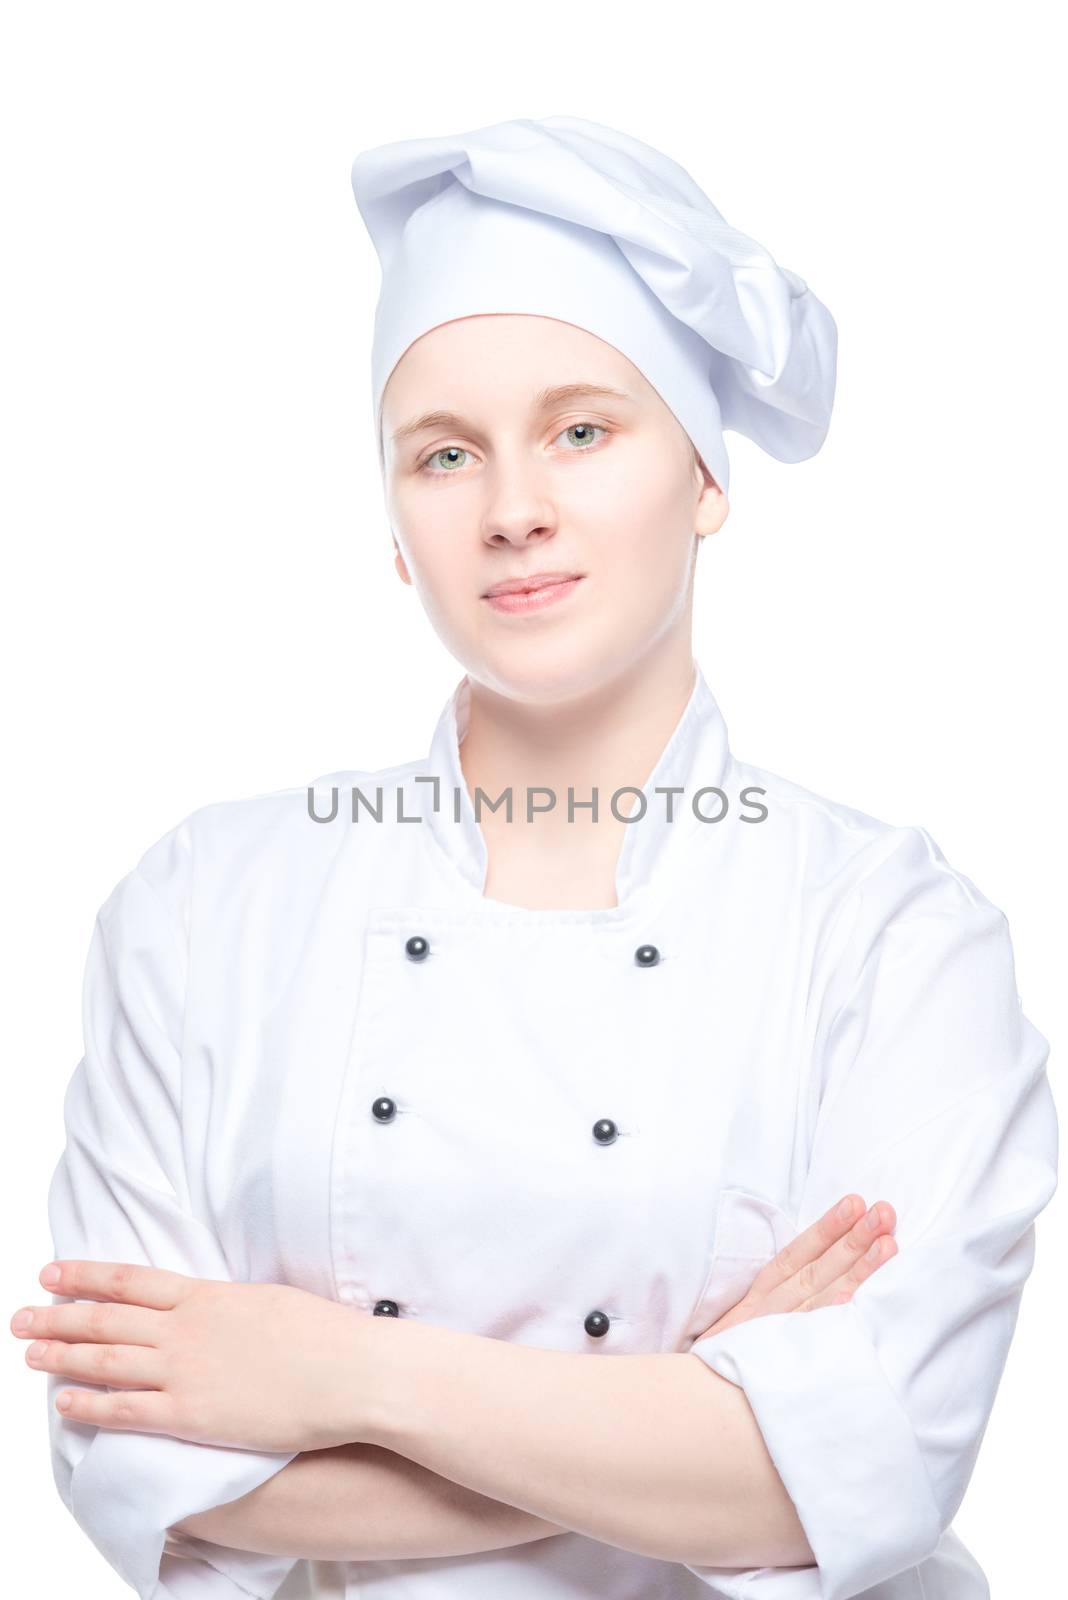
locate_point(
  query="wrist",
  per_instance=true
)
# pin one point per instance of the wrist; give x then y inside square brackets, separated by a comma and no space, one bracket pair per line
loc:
[380,1351]
[413,1377]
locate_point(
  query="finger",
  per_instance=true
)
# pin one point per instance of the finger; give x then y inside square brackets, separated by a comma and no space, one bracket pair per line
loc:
[119,1280]
[842,1290]
[138,1411]
[105,1322]
[808,1246]
[118,1365]
[814,1278]
[815,1271]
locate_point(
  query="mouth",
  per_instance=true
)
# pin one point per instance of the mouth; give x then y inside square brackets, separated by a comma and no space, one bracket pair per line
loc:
[536,593]
[537,580]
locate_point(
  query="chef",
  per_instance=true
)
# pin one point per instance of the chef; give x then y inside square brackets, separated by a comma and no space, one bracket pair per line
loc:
[496,1090]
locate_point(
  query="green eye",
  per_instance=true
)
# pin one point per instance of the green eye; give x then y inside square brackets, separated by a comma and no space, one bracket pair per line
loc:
[450,450]
[588,429]
[580,434]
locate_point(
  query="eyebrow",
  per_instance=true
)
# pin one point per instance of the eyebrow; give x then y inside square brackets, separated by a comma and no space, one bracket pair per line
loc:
[452,421]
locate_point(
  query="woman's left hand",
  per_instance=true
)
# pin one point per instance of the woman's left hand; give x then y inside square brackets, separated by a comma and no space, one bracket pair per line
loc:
[260,1366]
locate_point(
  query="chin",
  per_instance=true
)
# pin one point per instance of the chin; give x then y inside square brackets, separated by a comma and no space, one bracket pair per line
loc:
[549,671]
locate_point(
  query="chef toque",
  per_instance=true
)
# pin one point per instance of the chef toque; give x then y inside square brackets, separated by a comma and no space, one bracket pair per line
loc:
[565,218]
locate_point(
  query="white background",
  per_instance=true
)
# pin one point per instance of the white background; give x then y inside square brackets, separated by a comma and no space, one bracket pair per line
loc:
[199,600]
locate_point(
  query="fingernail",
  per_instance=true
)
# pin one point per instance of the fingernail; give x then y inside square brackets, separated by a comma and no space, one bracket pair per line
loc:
[845,1210]
[50,1275]
[22,1319]
[873,1218]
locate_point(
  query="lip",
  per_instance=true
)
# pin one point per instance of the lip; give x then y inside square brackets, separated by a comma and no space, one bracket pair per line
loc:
[536,580]
[517,595]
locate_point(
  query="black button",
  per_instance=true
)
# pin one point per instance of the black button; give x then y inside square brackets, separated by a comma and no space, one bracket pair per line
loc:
[417,948]
[596,1324]
[647,955]
[605,1131]
[386,1308]
[384,1109]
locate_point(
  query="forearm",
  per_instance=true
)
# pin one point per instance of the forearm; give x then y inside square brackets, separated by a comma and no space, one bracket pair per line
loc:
[361,1502]
[651,1453]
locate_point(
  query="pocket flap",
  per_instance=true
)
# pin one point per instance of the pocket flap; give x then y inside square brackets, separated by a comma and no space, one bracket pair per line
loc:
[750,1228]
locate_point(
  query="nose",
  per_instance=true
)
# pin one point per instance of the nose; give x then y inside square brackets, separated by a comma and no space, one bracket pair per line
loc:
[518,511]
[520,531]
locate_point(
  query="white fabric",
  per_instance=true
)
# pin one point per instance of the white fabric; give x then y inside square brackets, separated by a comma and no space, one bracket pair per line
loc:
[566,218]
[834,1009]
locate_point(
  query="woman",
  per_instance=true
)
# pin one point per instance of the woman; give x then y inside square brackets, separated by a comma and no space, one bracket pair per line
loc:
[407,1094]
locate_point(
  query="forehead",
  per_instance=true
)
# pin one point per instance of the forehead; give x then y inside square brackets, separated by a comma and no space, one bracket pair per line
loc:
[511,359]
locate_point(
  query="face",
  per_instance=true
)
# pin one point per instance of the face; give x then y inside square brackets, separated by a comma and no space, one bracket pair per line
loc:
[497,467]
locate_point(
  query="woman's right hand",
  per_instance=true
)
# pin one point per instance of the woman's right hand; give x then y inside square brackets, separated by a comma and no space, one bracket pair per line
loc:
[821,1266]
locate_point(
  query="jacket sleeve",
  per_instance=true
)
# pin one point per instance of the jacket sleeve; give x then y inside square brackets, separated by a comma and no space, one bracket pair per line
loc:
[119,1193]
[932,1094]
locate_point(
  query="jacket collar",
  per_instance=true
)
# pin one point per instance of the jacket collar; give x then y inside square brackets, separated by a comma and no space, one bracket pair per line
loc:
[695,757]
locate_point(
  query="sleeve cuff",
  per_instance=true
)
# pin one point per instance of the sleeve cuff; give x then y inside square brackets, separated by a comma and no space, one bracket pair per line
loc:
[193,1577]
[129,1488]
[843,1446]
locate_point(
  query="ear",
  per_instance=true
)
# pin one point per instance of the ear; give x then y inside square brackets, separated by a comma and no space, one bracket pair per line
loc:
[712,506]
[399,563]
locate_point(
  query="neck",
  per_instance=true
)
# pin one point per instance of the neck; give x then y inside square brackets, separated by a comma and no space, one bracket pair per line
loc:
[608,738]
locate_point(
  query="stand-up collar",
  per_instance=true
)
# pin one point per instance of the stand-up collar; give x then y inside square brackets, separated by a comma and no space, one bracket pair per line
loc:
[695,758]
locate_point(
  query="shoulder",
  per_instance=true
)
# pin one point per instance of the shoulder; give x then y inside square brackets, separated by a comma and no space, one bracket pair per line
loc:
[892,868]
[896,935]
[258,845]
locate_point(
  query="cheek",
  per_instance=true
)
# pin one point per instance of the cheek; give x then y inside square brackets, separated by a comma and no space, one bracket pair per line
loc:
[432,541]
[444,589]
[641,490]
[645,533]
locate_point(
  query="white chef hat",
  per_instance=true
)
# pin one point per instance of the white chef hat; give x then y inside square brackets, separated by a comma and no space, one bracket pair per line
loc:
[565,218]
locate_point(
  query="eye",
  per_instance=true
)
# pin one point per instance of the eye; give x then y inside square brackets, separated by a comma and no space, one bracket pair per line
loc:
[449,450]
[587,429]
[449,458]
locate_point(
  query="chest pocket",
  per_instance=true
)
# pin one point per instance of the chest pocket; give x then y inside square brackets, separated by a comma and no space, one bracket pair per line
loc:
[750,1231]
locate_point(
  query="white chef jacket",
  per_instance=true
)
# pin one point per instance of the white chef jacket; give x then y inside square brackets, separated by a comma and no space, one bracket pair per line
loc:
[316,1054]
